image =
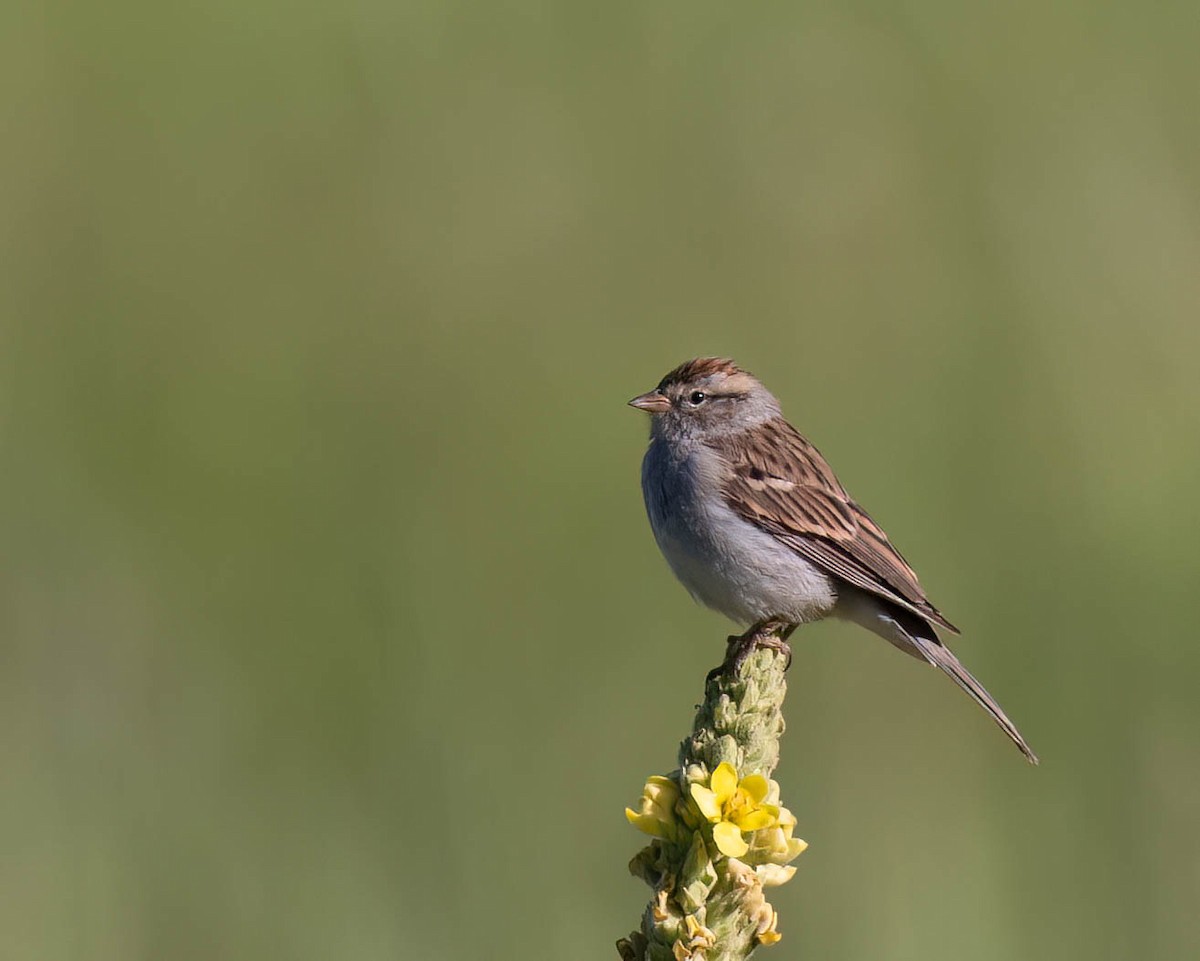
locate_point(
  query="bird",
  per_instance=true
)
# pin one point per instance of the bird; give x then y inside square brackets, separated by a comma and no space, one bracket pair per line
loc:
[755,524]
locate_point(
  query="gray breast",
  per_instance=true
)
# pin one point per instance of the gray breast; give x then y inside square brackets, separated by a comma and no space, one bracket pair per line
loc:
[724,561]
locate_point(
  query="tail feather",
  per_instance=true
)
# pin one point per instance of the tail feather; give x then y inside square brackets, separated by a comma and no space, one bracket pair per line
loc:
[944,659]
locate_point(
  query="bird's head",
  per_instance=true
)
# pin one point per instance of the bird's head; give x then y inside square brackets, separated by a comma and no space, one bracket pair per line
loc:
[707,396]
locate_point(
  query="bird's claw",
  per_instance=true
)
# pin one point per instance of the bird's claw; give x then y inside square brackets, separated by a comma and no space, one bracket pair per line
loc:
[767,635]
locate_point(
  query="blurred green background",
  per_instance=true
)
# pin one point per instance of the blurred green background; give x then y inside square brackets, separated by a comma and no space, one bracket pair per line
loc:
[332,623]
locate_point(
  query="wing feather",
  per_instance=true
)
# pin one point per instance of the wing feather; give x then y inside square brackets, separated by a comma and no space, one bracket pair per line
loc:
[782,484]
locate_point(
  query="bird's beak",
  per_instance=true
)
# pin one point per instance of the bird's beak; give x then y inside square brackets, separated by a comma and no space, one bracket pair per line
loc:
[652,403]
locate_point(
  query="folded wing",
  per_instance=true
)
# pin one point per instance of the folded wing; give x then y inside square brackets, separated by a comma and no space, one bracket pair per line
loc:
[782,484]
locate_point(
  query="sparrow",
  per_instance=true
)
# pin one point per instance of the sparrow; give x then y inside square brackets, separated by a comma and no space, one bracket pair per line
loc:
[756,525]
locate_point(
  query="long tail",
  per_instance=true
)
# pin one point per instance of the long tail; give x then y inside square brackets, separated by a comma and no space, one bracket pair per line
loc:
[944,658]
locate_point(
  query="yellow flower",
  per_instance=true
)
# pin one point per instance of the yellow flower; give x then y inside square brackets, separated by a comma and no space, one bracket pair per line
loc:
[656,810]
[773,875]
[775,845]
[734,806]
[768,932]
[700,941]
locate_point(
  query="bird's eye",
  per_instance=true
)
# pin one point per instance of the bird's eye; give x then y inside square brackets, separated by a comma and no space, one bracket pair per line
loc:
[696,398]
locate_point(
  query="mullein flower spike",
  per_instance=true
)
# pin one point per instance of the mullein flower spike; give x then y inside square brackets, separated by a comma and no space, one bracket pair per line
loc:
[720,835]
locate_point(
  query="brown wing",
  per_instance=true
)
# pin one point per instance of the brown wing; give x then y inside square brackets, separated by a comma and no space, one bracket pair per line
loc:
[782,484]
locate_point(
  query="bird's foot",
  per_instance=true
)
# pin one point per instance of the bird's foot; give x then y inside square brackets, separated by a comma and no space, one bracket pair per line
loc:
[771,634]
